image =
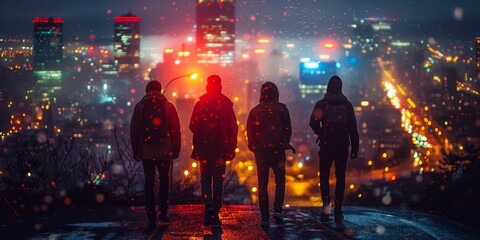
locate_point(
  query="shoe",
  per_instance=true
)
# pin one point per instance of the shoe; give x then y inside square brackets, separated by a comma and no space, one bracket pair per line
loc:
[327,210]
[208,219]
[265,223]
[324,218]
[216,221]
[339,217]
[278,218]
[164,218]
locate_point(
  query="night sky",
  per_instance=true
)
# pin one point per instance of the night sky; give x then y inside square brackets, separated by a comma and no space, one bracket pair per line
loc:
[280,18]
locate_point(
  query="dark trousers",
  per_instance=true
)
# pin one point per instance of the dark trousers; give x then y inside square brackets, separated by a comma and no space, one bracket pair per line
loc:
[212,171]
[163,167]
[328,155]
[265,160]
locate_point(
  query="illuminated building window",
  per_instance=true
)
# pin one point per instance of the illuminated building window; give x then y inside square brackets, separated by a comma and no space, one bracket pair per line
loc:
[215,31]
[127,44]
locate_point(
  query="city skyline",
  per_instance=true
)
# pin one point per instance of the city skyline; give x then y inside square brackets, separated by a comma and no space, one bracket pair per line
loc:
[293,19]
[215,32]
[410,71]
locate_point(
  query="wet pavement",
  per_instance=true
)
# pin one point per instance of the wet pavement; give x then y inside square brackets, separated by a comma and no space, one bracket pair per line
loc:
[238,222]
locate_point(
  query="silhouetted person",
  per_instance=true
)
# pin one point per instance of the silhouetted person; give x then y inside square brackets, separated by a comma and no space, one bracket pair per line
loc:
[333,120]
[214,128]
[269,130]
[155,140]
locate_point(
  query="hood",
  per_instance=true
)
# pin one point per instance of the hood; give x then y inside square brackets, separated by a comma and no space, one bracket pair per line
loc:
[214,84]
[269,92]
[156,94]
[334,91]
[334,85]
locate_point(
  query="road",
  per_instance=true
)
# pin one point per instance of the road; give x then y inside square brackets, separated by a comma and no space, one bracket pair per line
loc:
[428,135]
[239,222]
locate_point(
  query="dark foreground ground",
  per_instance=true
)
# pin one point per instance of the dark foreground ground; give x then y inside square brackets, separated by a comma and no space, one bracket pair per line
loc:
[239,222]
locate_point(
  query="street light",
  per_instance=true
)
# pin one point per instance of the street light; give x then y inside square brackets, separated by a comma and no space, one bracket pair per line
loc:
[191,75]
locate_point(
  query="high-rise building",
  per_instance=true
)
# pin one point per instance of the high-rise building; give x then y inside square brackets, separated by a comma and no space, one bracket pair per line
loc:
[127,44]
[106,92]
[47,57]
[215,32]
[372,36]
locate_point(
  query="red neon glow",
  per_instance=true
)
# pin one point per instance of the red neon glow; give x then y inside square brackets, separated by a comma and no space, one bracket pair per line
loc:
[47,20]
[127,19]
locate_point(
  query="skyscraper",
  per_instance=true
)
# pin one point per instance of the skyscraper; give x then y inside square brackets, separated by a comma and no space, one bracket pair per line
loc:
[47,57]
[127,44]
[372,36]
[215,31]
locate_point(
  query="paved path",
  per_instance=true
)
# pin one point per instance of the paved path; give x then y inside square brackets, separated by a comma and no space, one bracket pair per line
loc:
[239,222]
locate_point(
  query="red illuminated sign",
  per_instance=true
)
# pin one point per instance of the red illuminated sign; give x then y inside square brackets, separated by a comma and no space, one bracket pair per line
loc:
[127,19]
[47,20]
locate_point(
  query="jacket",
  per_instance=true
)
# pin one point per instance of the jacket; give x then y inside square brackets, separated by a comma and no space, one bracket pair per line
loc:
[166,151]
[207,146]
[269,127]
[335,98]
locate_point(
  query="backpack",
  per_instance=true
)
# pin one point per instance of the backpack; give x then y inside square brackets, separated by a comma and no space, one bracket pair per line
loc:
[154,121]
[334,123]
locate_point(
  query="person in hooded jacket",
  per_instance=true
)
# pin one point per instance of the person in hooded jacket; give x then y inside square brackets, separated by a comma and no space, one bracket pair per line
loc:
[334,142]
[155,155]
[269,130]
[214,127]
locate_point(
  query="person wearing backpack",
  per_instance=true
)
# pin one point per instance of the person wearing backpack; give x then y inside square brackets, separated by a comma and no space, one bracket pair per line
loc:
[333,120]
[155,139]
[214,127]
[269,130]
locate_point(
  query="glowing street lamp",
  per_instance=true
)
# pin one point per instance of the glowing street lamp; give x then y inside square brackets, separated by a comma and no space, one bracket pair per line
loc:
[191,75]
[194,76]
